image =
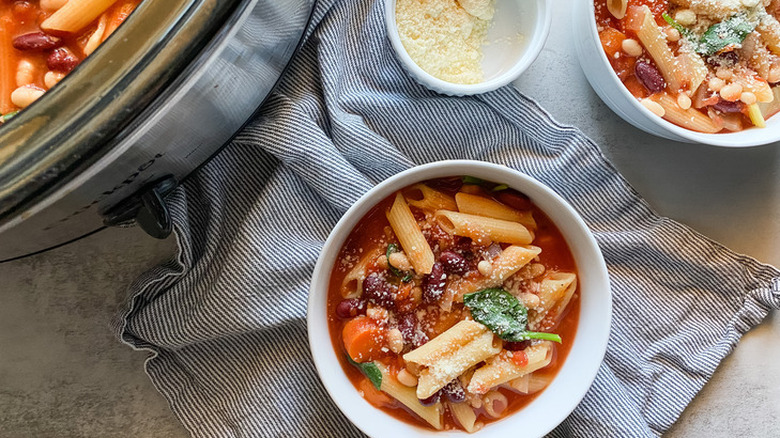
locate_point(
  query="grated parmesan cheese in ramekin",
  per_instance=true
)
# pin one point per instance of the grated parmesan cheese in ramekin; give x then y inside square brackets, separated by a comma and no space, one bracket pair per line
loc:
[445,37]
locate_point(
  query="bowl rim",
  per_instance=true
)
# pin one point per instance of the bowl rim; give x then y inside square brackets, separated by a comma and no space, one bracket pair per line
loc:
[731,140]
[525,60]
[325,357]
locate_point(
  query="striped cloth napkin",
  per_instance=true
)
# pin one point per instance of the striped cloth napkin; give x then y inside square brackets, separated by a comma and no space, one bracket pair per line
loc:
[225,319]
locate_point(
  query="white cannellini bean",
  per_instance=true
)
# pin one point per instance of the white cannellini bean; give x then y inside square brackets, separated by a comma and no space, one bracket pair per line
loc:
[654,107]
[400,261]
[395,340]
[724,73]
[672,34]
[748,98]
[631,47]
[376,313]
[750,3]
[685,17]
[773,75]
[25,73]
[531,301]
[731,92]
[716,84]
[52,5]
[406,378]
[52,78]
[485,268]
[684,101]
[24,96]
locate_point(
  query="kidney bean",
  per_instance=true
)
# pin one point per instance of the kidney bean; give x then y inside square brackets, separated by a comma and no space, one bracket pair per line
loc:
[432,400]
[725,59]
[377,291]
[434,284]
[454,392]
[454,263]
[350,308]
[449,184]
[62,60]
[728,107]
[410,329]
[514,199]
[517,346]
[36,41]
[649,76]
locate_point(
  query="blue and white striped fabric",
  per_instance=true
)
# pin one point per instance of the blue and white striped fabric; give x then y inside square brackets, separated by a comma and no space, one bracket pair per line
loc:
[225,320]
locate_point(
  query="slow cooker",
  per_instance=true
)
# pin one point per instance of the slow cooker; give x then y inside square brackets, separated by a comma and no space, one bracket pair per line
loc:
[171,86]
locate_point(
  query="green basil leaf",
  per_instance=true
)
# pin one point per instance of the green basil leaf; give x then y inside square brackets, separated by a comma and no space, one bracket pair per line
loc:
[370,370]
[391,248]
[731,31]
[503,314]
[672,22]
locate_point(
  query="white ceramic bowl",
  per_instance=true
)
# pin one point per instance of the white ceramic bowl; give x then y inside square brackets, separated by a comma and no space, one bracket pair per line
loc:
[556,402]
[607,85]
[505,56]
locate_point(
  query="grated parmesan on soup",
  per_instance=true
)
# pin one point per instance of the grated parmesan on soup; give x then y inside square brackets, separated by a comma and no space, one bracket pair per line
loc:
[445,37]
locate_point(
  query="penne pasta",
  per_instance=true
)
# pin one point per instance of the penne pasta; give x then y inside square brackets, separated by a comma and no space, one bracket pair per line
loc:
[654,41]
[352,285]
[75,15]
[530,383]
[483,229]
[97,36]
[506,264]
[430,199]
[409,235]
[407,396]
[482,206]
[464,415]
[617,8]
[450,354]
[557,288]
[691,118]
[502,368]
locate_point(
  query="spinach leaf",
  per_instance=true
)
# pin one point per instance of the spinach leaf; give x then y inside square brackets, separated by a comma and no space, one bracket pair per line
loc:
[731,31]
[672,22]
[503,314]
[370,370]
[473,180]
[407,276]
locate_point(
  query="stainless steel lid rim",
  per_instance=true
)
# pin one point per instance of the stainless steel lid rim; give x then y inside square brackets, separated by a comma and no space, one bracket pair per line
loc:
[198,114]
[70,131]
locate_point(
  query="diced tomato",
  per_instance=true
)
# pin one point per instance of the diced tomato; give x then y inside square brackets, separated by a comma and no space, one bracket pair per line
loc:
[611,41]
[657,7]
[635,87]
[623,66]
[519,358]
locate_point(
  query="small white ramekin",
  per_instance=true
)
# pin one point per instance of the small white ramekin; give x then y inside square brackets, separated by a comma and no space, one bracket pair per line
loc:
[505,56]
[607,85]
[575,376]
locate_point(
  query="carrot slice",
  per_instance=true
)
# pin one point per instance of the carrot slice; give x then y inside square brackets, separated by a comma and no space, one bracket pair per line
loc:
[373,395]
[363,339]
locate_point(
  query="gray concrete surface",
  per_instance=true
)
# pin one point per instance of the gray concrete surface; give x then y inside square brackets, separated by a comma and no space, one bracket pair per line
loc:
[63,374]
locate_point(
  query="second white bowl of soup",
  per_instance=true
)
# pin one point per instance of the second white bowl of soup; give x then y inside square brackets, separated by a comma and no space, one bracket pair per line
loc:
[607,84]
[459,296]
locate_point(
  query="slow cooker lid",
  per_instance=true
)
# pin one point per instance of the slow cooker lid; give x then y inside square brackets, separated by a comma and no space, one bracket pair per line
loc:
[73,124]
